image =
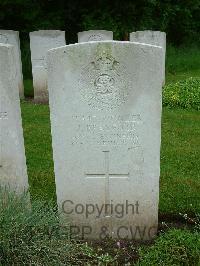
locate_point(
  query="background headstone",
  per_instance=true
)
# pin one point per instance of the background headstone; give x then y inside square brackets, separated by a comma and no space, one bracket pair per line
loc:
[40,84]
[95,35]
[157,38]
[12,37]
[13,170]
[40,42]
[105,109]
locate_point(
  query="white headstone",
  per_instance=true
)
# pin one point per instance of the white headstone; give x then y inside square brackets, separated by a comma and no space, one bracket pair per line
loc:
[95,35]
[40,84]
[40,42]
[13,172]
[12,37]
[105,109]
[157,38]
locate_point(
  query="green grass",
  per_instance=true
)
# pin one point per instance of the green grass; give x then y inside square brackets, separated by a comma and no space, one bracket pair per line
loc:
[171,78]
[180,161]
[182,63]
[182,59]
[32,236]
[28,88]
[39,157]
[176,247]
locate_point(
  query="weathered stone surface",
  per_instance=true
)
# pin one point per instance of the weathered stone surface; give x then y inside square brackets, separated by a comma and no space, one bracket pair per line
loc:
[157,38]
[13,172]
[95,35]
[12,37]
[41,41]
[105,107]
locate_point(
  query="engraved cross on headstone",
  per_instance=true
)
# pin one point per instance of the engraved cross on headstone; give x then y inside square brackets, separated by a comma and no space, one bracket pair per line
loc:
[107,176]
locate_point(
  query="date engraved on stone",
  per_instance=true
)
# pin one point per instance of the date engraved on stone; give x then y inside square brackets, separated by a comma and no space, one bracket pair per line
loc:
[110,130]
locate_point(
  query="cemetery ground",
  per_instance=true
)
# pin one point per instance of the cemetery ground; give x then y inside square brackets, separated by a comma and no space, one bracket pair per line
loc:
[28,236]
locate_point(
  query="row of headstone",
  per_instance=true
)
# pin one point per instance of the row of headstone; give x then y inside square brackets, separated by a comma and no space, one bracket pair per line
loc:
[13,172]
[40,42]
[105,111]
[44,40]
[12,37]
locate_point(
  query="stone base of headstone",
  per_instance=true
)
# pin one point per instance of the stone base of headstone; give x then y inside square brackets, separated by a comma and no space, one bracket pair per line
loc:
[21,90]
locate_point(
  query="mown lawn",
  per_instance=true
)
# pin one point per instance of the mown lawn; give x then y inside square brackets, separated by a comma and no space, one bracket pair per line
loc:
[182,63]
[180,161]
[180,157]
[37,135]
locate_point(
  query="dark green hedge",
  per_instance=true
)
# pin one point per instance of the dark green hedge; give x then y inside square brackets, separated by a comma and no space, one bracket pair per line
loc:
[179,19]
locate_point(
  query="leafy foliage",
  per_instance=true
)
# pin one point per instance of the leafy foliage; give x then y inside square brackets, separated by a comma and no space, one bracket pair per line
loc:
[178,19]
[184,93]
